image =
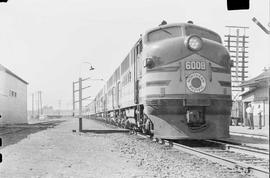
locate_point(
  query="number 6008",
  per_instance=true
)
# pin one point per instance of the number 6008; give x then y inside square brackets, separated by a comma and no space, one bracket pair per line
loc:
[195,65]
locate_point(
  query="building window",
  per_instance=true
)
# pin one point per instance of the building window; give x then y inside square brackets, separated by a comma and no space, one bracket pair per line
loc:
[12,93]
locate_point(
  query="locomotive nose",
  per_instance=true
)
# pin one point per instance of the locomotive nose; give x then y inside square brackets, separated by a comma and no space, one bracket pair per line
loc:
[194,42]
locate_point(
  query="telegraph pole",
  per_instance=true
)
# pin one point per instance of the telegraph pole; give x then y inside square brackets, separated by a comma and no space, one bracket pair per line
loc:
[80,104]
[80,99]
[59,109]
[33,102]
[236,43]
[40,99]
[73,98]
[37,103]
[41,103]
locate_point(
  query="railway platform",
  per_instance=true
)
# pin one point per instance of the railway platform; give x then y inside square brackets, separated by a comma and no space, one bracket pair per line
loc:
[257,133]
[87,127]
[258,138]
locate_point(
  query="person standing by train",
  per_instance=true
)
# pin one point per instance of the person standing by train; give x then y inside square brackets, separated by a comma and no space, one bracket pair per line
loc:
[249,111]
[259,112]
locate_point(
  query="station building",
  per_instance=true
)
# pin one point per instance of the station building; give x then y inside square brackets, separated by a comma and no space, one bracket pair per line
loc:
[13,98]
[257,93]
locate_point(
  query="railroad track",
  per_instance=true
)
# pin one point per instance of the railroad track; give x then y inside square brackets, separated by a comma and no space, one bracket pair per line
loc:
[244,159]
[248,160]
[11,131]
[242,148]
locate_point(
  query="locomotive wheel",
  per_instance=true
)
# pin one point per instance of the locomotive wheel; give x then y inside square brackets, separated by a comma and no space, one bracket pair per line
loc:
[148,126]
[144,126]
[126,124]
[151,128]
[122,122]
[144,130]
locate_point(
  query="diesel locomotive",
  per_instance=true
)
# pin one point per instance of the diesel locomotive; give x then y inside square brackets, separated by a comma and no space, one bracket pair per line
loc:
[175,83]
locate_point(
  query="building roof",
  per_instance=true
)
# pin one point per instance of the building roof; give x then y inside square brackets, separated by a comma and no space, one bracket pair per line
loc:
[247,92]
[263,77]
[12,74]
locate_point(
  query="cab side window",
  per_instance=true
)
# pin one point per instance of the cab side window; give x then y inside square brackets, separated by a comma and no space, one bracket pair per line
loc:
[139,48]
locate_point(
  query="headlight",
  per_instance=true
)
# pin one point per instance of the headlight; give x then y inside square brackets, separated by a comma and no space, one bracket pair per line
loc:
[194,43]
[149,63]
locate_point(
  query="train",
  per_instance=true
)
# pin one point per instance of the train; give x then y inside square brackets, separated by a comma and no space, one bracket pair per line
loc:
[175,83]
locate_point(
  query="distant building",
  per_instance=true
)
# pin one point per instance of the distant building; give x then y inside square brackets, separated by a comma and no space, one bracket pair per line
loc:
[13,98]
[257,94]
[48,110]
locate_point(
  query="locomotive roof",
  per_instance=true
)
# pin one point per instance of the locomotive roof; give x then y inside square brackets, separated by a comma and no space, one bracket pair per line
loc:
[180,25]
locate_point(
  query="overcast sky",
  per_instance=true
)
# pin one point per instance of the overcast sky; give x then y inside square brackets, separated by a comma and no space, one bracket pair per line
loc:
[46,42]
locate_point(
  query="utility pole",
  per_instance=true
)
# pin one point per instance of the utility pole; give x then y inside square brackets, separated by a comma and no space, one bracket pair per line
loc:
[80,90]
[80,99]
[37,103]
[40,102]
[80,104]
[33,102]
[236,43]
[59,109]
[73,98]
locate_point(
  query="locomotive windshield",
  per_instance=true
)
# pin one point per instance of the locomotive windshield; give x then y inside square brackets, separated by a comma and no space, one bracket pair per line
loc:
[164,33]
[204,33]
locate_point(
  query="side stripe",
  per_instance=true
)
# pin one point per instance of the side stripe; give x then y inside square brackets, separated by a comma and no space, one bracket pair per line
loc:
[158,83]
[163,69]
[193,96]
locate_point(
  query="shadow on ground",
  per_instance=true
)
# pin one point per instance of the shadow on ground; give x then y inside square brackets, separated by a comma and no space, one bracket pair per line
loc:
[13,134]
[105,131]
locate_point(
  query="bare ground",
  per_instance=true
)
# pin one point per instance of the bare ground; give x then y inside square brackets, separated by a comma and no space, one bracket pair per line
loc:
[59,152]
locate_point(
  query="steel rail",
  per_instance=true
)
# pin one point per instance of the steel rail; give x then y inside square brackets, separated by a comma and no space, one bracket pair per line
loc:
[15,130]
[243,149]
[230,163]
[224,161]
